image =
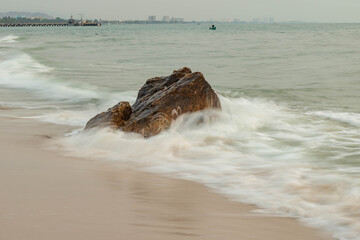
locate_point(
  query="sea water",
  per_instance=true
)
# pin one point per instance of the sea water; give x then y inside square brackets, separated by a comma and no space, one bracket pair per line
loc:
[287,138]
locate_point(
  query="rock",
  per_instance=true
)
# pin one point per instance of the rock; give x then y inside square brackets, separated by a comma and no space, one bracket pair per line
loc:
[159,102]
[113,117]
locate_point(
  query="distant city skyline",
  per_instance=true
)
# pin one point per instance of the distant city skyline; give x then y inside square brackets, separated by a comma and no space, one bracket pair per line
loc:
[25,16]
[199,10]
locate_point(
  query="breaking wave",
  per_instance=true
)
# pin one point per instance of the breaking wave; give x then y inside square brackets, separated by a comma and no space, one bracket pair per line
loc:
[21,71]
[8,39]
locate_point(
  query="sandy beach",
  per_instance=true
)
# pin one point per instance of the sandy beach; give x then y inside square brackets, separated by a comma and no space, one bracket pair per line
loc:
[45,195]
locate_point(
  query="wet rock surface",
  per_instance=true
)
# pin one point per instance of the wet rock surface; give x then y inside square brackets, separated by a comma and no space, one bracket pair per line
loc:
[159,102]
[113,117]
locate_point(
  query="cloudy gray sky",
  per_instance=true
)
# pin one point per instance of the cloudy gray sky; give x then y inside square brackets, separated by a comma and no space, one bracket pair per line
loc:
[281,10]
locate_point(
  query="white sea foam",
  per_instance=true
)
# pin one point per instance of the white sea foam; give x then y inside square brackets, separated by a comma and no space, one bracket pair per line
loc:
[254,151]
[8,39]
[344,117]
[65,117]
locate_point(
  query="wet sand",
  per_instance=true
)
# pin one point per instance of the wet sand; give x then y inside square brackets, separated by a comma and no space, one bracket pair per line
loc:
[45,195]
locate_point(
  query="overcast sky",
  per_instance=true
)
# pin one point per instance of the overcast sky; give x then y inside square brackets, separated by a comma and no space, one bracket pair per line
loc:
[281,10]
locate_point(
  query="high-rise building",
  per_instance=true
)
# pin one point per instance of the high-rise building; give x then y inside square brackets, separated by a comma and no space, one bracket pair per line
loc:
[152,18]
[177,19]
[166,19]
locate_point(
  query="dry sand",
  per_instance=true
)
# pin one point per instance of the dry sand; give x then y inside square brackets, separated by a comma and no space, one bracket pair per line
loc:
[47,196]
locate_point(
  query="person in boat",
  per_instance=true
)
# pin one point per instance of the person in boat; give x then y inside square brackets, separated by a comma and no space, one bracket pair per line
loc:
[212,26]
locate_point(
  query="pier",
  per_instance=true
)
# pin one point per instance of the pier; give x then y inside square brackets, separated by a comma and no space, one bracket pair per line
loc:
[32,24]
[48,24]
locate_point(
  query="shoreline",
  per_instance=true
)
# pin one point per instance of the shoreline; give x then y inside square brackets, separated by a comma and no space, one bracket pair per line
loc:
[49,196]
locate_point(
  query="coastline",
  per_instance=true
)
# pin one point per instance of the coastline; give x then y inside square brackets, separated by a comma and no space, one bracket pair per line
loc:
[49,196]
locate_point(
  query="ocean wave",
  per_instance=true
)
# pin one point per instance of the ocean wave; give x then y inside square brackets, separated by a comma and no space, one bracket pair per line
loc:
[344,117]
[8,39]
[21,71]
[254,151]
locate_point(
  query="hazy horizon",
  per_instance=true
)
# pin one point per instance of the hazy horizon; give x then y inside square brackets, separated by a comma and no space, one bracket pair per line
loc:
[280,10]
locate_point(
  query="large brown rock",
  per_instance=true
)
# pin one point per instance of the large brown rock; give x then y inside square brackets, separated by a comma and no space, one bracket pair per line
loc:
[160,101]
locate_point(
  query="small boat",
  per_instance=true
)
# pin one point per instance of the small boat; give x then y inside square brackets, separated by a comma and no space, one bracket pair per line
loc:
[212,27]
[72,22]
